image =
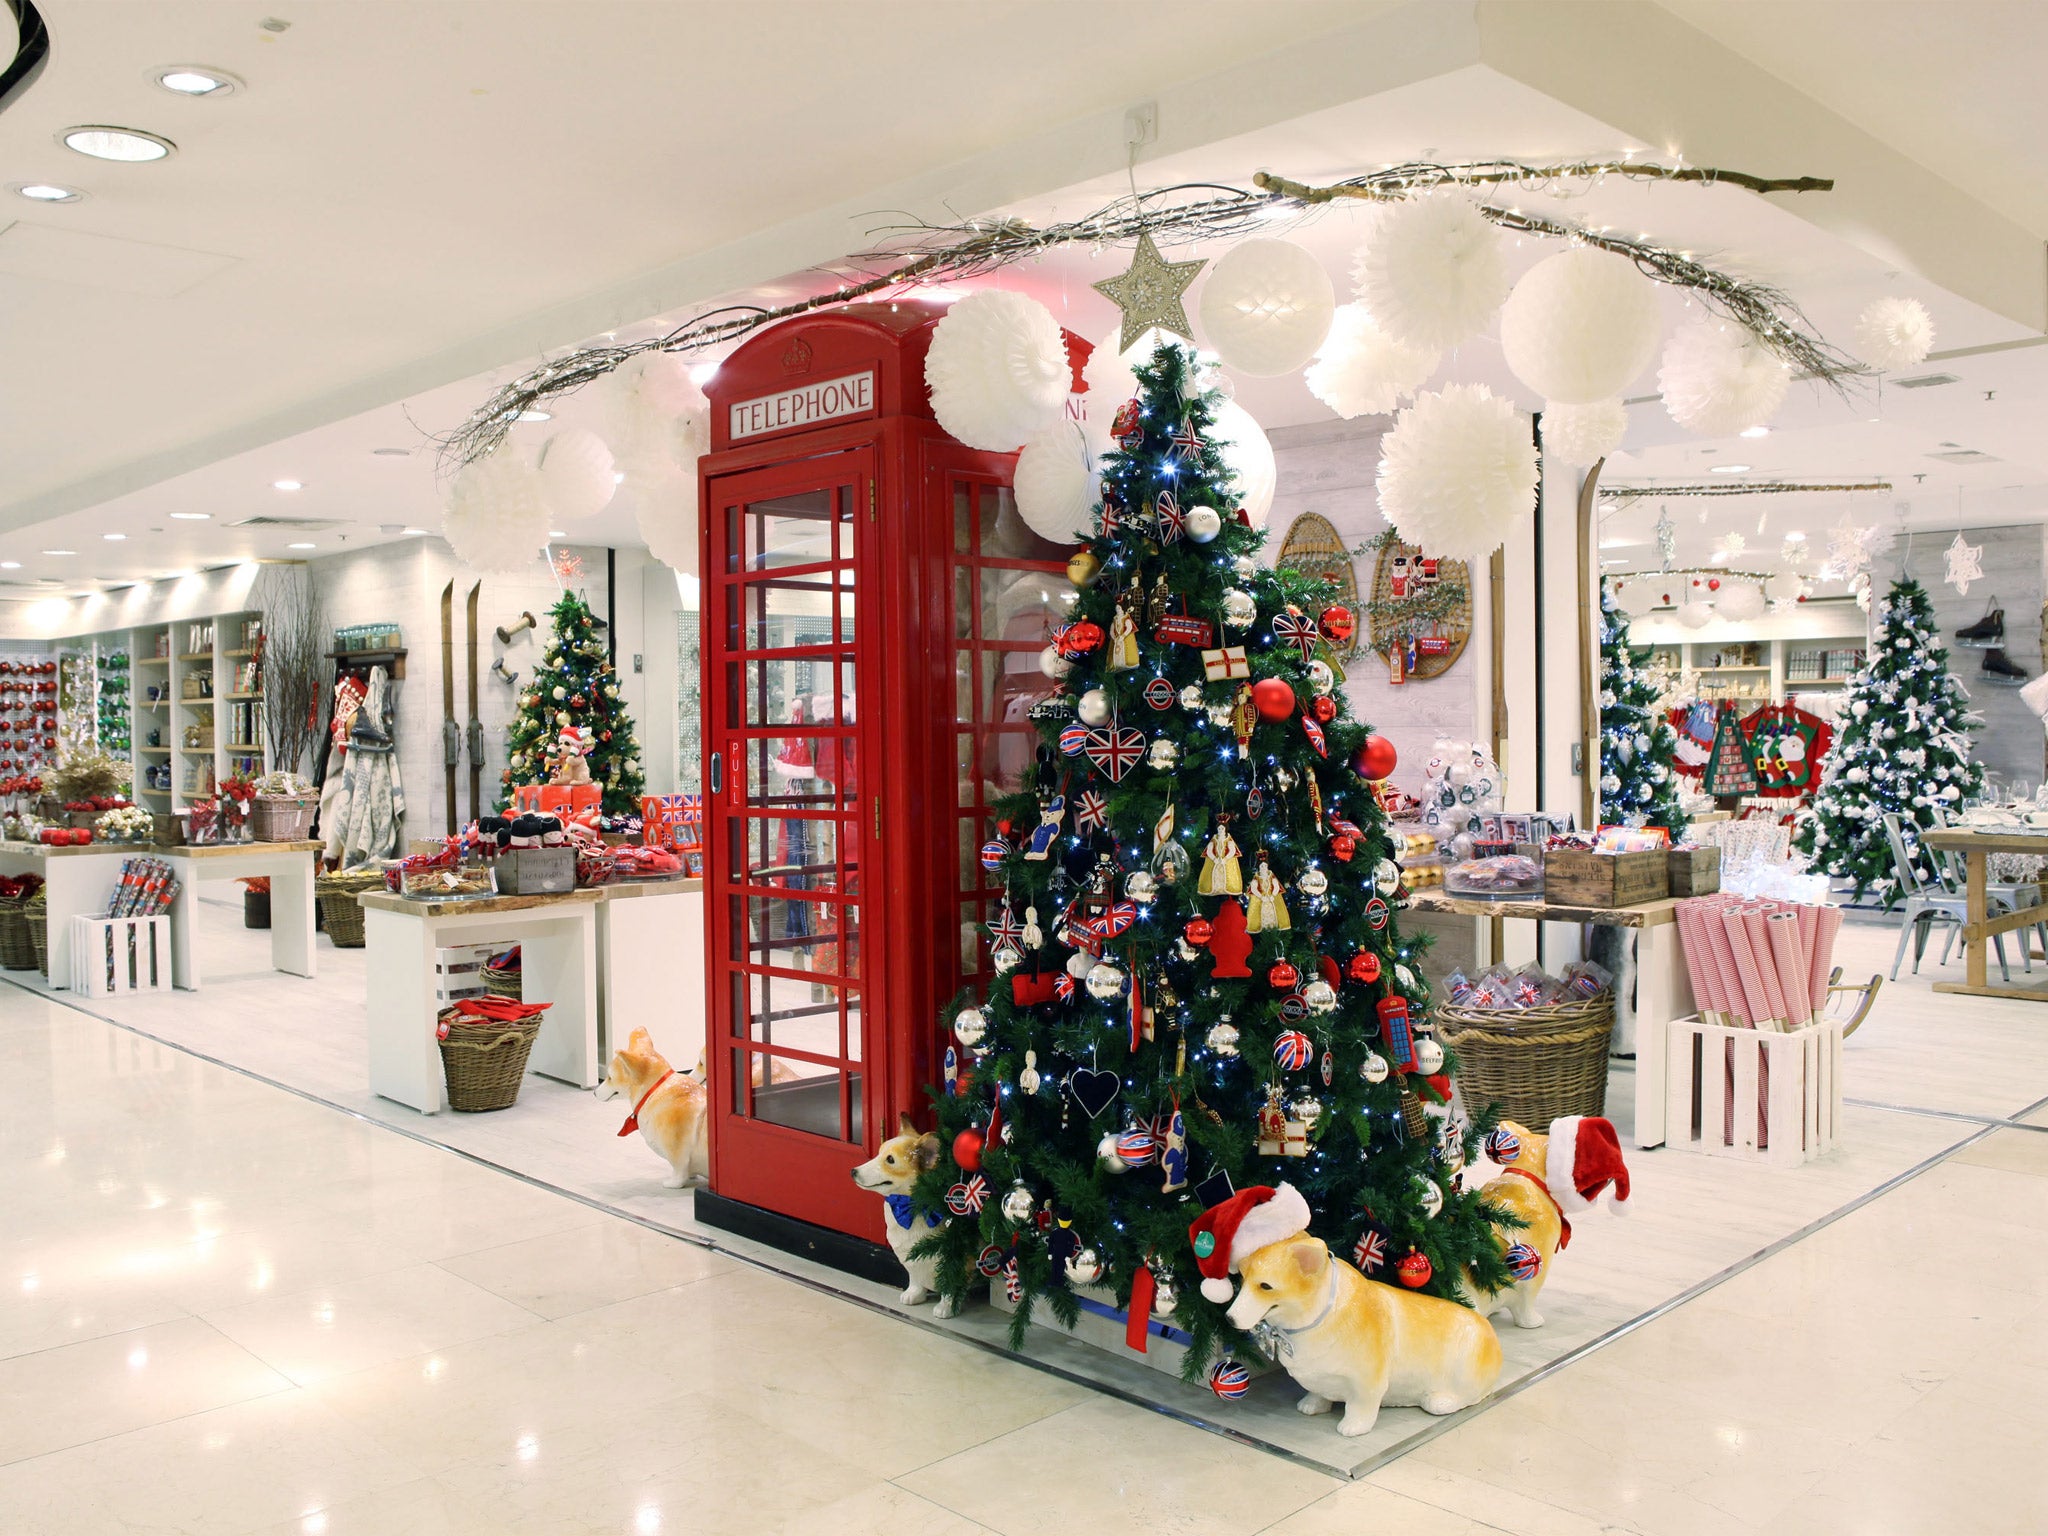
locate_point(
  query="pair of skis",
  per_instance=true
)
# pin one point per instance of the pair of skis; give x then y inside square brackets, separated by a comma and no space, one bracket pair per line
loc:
[453,736]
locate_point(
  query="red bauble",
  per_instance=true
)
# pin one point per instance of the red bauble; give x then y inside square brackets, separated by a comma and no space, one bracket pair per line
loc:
[1714,584]
[1414,1270]
[1375,759]
[1199,930]
[967,1151]
[1337,623]
[1282,976]
[604,735]
[1365,966]
[1342,846]
[1323,707]
[1080,638]
[1273,698]
[575,701]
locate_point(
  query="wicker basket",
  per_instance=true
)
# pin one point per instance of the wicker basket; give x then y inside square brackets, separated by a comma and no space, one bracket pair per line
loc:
[38,919]
[17,950]
[505,984]
[1535,1063]
[338,908]
[484,1060]
[283,818]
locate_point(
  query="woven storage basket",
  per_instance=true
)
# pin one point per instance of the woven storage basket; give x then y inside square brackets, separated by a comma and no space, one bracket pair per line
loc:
[484,1060]
[282,818]
[17,949]
[338,909]
[38,919]
[504,984]
[1535,1063]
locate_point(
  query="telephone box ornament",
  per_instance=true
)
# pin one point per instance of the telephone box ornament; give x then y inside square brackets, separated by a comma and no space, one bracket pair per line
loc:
[1396,1034]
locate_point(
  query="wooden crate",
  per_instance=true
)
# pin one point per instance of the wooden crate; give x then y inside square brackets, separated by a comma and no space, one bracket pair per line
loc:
[1760,1095]
[1581,878]
[1694,871]
[115,955]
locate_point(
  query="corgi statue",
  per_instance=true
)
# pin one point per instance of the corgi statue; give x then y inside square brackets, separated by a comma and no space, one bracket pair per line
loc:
[668,1107]
[1541,1178]
[892,1173]
[1344,1338]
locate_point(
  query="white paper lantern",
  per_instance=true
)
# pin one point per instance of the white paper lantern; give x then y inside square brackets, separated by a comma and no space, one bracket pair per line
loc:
[1430,272]
[642,405]
[665,504]
[1361,371]
[1266,307]
[577,474]
[1580,326]
[1894,333]
[1740,601]
[997,370]
[1248,455]
[495,519]
[1696,614]
[1717,379]
[1457,474]
[1583,434]
[1055,483]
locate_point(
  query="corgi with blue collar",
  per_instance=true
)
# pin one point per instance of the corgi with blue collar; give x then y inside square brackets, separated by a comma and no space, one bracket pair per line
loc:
[892,1173]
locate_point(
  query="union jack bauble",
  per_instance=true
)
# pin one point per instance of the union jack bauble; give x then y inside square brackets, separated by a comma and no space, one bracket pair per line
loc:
[1292,1050]
[1229,1380]
[1523,1262]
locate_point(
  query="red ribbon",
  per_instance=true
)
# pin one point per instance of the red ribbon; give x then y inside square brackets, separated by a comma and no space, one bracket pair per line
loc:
[633,1120]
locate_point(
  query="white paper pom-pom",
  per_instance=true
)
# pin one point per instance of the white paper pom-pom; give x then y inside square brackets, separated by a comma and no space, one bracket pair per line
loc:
[1458,472]
[1055,483]
[1894,333]
[1717,379]
[1580,326]
[1248,455]
[1362,371]
[997,370]
[643,404]
[665,506]
[1266,307]
[1740,601]
[1583,434]
[495,519]
[1696,615]
[1430,272]
[577,475]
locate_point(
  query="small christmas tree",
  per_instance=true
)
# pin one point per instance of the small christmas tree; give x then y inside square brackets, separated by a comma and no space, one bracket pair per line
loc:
[1201,980]
[576,685]
[1638,785]
[1904,748]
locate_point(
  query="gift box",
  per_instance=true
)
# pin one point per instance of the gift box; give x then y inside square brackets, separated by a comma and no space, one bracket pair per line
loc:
[675,822]
[571,802]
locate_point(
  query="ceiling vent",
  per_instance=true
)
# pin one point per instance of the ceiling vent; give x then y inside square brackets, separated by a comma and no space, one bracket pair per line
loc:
[1966,456]
[296,524]
[1926,381]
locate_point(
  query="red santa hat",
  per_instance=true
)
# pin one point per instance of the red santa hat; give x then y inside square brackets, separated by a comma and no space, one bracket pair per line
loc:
[1227,1234]
[1585,1157]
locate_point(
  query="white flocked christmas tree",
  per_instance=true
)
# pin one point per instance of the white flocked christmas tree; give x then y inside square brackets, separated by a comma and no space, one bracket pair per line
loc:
[1904,747]
[1638,785]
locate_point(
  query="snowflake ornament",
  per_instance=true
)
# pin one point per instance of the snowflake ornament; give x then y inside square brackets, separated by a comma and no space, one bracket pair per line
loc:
[1731,544]
[1849,551]
[1965,565]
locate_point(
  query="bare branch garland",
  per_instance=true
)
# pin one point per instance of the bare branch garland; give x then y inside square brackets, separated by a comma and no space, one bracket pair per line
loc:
[1736,488]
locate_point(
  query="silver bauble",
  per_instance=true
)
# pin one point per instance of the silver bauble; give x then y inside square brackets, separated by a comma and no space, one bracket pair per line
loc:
[1191,697]
[1105,980]
[1240,610]
[1307,1110]
[1006,958]
[971,1026]
[1164,1297]
[1185,950]
[1219,715]
[1429,1056]
[1246,567]
[1320,678]
[1105,1154]
[1084,1268]
[1374,1068]
[1432,1199]
[1093,708]
[1053,664]
[1223,1039]
[1203,524]
[1018,1205]
[1164,754]
[1320,997]
[1141,887]
[1313,881]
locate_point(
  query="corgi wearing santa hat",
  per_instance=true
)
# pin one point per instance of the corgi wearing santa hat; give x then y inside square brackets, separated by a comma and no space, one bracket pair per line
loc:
[1544,1180]
[1345,1338]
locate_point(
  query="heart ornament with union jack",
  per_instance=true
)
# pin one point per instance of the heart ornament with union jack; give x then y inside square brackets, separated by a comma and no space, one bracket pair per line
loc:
[1116,750]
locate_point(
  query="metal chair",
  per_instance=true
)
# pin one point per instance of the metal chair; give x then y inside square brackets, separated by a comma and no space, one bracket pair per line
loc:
[1927,901]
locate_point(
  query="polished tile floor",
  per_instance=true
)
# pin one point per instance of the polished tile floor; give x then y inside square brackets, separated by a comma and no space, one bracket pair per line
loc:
[229,1309]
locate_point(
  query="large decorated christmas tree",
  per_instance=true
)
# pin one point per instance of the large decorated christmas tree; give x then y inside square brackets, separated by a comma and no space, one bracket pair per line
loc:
[1638,785]
[1202,982]
[575,685]
[1904,747]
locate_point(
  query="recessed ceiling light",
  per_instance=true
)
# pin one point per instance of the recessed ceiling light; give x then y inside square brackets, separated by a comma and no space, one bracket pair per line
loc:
[192,517]
[105,143]
[302,546]
[288,485]
[10,565]
[60,551]
[1756,431]
[1731,469]
[113,538]
[197,80]
[1795,537]
[416,532]
[47,192]
[618,477]
[391,453]
[556,533]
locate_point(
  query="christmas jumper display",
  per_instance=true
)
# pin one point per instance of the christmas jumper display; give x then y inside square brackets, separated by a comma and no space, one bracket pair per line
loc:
[1729,772]
[1787,746]
[1638,782]
[1211,991]
[1904,749]
[575,689]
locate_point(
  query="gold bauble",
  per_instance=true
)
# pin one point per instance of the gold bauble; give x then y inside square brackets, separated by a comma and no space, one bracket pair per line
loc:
[1084,567]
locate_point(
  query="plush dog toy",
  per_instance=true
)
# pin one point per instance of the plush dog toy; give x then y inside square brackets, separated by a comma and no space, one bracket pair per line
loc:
[892,1173]
[668,1107]
[1542,1179]
[1345,1338]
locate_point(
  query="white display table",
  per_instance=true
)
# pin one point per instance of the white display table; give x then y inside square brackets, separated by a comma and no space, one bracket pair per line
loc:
[77,882]
[557,939]
[650,943]
[289,867]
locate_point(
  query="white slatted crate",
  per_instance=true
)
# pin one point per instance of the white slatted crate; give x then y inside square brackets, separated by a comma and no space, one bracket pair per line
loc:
[459,972]
[1757,1094]
[115,955]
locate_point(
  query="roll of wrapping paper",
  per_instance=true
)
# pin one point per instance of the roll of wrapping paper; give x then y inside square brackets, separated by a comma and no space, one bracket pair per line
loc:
[1809,938]
[1790,963]
[1827,924]
[1754,921]
[1713,921]
[1756,1005]
[1708,989]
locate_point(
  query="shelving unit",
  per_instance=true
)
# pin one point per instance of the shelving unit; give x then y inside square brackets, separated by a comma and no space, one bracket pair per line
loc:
[1830,627]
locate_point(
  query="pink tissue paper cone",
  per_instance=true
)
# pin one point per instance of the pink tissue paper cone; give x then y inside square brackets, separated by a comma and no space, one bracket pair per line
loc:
[1755,922]
[1783,928]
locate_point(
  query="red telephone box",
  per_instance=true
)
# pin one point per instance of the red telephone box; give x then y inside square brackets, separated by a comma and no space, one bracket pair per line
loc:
[873,614]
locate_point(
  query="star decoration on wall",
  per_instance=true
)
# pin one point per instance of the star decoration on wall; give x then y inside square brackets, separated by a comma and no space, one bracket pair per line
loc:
[568,565]
[1149,294]
[1965,565]
[1849,549]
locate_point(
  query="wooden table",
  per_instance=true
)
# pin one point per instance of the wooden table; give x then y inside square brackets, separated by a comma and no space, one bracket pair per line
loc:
[557,939]
[289,868]
[1663,991]
[77,882]
[650,971]
[1977,845]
